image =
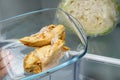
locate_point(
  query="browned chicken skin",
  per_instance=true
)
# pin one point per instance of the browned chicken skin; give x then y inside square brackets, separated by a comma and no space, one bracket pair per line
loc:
[45,36]
[50,47]
[44,57]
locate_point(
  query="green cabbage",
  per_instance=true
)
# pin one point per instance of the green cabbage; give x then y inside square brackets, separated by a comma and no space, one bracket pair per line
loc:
[98,17]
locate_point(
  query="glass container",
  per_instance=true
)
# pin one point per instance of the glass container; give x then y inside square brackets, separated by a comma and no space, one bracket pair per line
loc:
[12,29]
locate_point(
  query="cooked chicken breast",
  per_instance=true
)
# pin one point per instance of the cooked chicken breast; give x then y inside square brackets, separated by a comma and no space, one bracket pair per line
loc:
[45,36]
[45,57]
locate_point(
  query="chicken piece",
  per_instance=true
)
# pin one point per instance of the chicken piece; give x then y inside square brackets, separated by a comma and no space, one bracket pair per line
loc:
[45,36]
[45,57]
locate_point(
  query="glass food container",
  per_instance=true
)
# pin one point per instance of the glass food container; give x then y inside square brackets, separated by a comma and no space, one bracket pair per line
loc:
[12,29]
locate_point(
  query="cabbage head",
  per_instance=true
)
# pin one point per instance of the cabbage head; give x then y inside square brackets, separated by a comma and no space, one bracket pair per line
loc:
[98,17]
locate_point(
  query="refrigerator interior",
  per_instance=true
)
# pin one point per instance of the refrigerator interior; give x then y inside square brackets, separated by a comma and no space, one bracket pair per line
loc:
[102,61]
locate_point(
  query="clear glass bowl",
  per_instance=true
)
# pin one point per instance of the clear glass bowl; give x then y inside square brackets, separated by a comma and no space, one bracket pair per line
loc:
[12,29]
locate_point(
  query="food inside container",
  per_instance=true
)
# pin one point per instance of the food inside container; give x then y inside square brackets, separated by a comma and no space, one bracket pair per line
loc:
[14,30]
[49,46]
